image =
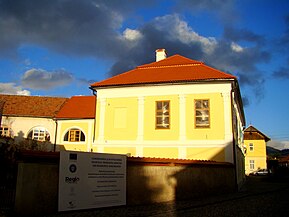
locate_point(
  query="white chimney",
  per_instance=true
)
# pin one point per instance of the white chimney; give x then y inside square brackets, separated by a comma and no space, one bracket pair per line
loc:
[160,54]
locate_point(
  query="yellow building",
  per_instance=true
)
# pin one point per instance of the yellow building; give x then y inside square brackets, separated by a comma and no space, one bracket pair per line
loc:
[75,124]
[255,143]
[172,108]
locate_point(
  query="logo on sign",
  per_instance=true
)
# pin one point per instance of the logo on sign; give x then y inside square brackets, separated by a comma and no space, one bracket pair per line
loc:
[72,168]
[71,180]
[71,205]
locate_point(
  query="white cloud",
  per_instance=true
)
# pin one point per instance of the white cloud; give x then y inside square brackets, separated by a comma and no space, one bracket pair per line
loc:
[42,80]
[278,144]
[131,34]
[27,62]
[13,89]
[187,35]
[286,144]
[180,30]
[237,48]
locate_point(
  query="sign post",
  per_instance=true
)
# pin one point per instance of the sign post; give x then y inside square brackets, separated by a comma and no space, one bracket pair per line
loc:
[91,180]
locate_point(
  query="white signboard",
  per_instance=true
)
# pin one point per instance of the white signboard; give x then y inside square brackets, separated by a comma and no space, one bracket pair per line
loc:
[91,180]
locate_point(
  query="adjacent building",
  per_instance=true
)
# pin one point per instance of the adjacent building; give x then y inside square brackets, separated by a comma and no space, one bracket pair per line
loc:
[75,124]
[30,117]
[255,155]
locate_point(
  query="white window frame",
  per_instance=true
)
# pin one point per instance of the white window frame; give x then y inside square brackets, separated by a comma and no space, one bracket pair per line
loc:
[39,134]
[162,114]
[5,131]
[251,147]
[252,164]
[204,113]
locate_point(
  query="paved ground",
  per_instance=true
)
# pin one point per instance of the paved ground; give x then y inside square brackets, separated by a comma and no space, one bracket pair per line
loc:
[261,196]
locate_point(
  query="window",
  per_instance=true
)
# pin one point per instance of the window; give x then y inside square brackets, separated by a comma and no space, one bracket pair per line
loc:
[251,147]
[202,109]
[162,114]
[252,164]
[39,134]
[74,135]
[4,131]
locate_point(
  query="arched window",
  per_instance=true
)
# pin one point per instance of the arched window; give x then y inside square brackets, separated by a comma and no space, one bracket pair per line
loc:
[74,135]
[39,134]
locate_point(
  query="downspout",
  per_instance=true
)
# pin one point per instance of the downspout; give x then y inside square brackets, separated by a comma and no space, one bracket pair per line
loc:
[55,135]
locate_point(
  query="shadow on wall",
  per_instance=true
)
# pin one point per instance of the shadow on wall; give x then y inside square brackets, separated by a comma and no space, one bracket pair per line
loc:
[23,143]
[198,181]
[152,180]
[142,187]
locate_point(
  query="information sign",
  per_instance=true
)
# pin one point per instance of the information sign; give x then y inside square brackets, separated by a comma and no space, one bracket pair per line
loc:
[91,180]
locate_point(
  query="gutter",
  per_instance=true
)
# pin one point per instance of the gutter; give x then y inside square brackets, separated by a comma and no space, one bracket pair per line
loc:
[200,81]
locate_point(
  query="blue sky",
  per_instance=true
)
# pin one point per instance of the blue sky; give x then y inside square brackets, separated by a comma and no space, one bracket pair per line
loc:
[59,47]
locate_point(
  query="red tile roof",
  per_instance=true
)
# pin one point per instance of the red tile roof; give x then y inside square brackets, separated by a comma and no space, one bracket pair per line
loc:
[30,106]
[174,69]
[78,107]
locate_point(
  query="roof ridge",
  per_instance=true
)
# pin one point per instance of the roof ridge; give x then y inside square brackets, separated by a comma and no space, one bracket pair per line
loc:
[35,96]
[169,66]
[168,59]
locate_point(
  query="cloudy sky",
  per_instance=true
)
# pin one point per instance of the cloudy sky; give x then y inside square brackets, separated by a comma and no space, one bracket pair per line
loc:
[59,47]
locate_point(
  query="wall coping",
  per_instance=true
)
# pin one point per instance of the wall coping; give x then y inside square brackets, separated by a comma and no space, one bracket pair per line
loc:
[53,157]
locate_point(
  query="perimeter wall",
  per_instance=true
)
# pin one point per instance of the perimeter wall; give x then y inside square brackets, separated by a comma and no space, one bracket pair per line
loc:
[149,180]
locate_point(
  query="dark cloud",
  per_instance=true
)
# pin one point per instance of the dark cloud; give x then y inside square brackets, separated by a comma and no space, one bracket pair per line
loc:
[232,57]
[83,81]
[94,28]
[40,79]
[256,82]
[176,36]
[71,26]
[281,44]
[285,38]
[237,35]
[223,9]
[246,101]
[281,73]
[169,32]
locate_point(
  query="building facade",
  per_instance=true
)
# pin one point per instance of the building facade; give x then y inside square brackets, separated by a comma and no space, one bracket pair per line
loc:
[172,108]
